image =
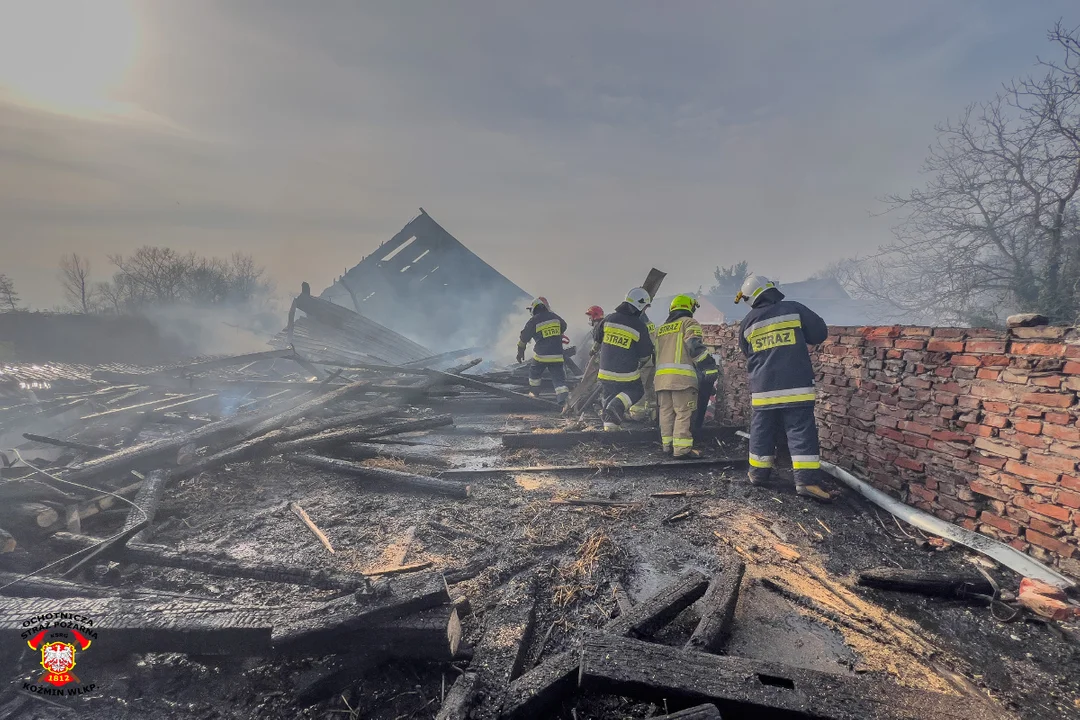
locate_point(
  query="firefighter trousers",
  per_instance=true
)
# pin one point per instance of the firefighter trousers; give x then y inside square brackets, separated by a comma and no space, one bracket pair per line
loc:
[706,390]
[800,427]
[619,397]
[557,373]
[676,419]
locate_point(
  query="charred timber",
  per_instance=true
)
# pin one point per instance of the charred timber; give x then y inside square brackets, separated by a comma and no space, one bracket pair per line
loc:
[147,501]
[537,691]
[344,435]
[718,611]
[569,439]
[91,450]
[367,451]
[388,479]
[433,635]
[614,467]
[214,564]
[699,712]
[939,584]
[653,673]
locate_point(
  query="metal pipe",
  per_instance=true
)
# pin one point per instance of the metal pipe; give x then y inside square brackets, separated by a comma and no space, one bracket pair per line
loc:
[1007,555]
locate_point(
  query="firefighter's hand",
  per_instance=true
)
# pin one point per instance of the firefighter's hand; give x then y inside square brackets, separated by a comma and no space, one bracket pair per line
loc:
[521,355]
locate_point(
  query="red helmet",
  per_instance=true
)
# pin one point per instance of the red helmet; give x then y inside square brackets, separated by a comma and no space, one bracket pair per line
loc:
[595,313]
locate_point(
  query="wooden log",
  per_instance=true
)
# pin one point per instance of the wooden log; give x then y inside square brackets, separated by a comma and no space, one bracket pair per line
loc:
[16,585]
[366,451]
[285,417]
[534,694]
[699,712]
[91,450]
[939,584]
[147,500]
[508,633]
[653,673]
[458,701]
[95,506]
[718,608]
[128,625]
[616,437]
[320,626]
[106,547]
[400,569]
[331,438]
[388,479]
[216,564]
[612,468]
[29,514]
[432,635]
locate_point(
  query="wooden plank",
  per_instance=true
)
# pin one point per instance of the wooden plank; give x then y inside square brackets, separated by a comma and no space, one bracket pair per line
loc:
[613,437]
[534,694]
[331,438]
[599,468]
[306,519]
[939,584]
[147,501]
[651,672]
[387,479]
[91,450]
[699,712]
[458,701]
[718,608]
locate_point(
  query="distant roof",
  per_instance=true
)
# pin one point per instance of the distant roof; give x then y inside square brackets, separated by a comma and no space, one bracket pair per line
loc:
[426,285]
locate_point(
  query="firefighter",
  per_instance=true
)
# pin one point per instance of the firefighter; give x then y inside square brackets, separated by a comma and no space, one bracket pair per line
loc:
[545,329]
[623,341]
[595,314]
[645,409]
[681,358]
[774,337]
[706,389]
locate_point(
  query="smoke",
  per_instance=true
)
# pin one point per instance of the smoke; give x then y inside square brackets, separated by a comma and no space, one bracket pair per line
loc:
[221,330]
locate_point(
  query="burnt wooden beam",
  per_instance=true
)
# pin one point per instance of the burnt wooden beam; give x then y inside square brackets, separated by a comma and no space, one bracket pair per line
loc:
[623,666]
[331,438]
[458,701]
[147,501]
[939,584]
[433,635]
[366,451]
[699,712]
[128,625]
[91,450]
[216,564]
[616,437]
[614,467]
[718,608]
[537,691]
[388,479]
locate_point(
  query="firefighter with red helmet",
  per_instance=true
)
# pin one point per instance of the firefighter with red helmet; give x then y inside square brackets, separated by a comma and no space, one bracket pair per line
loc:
[545,329]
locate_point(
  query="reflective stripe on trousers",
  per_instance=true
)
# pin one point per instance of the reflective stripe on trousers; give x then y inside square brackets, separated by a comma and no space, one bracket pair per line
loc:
[782,397]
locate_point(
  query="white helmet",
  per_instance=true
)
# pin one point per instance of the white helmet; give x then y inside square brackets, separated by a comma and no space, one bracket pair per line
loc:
[752,287]
[639,298]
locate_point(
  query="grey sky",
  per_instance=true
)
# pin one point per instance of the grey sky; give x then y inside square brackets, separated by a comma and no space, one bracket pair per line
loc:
[573,145]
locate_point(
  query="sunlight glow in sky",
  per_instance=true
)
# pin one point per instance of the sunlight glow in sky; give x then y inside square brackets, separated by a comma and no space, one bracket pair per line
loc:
[67,56]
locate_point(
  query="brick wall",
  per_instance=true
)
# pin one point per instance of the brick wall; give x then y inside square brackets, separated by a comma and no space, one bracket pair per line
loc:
[976,426]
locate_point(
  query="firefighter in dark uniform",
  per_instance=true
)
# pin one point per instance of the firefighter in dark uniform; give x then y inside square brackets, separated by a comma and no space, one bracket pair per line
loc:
[623,342]
[774,337]
[545,329]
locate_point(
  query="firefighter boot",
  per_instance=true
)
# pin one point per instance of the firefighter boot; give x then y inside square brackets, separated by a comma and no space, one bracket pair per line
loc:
[806,485]
[614,414]
[758,476]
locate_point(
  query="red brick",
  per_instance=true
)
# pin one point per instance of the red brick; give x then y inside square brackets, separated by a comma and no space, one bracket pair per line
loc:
[950,436]
[918,441]
[998,448]
[944,398]
[1071,368]
[881,331]
[984,346]
[1000,523]
[910,344]
[1070,481]
[915,427]
[949,449]
[945,346]
[921,493]
[992,461]
[1055,512]
[1037,442]
[996,407]
[910,464]
[995,360]
[916,382]
[1044,527]
[1028,426]
[995,421]
[1060,432]
[966,360]
[1040,349]
[1036,474]
[1051,462]
[1061,400]
[1068,499]
[1045,541]
[879,342]
[1025,411]
[989,490]
[1050,381]
[1058,418]
[943,372]
[1066,449]
[979,430]
[890,433]
[987,374]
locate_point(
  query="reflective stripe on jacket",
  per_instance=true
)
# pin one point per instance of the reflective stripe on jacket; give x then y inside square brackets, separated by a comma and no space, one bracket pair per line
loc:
[774,337]
[624,344]
[681,353]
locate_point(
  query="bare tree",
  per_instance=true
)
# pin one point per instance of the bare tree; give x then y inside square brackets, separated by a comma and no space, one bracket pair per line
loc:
[8,297]
[75,278]
[991,230]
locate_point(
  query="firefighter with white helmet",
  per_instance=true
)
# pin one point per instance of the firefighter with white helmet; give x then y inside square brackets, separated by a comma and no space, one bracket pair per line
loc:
[545,329]
[624,344]
[774,337]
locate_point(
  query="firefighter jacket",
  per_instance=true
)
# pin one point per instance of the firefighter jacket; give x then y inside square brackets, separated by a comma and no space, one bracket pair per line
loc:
[774,336]
[545,329]
[681,353]
[624,343]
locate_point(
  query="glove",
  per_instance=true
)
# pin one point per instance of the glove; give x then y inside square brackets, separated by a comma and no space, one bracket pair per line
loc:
[521,355]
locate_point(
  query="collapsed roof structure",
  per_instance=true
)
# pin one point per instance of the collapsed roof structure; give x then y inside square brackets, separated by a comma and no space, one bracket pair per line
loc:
[428,286]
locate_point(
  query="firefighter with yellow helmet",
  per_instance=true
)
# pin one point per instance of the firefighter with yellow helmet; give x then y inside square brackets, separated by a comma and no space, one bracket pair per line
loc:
[774,337]
[681,360]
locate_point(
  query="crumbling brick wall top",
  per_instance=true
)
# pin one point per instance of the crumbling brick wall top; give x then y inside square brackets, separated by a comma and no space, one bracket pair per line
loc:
[977,426]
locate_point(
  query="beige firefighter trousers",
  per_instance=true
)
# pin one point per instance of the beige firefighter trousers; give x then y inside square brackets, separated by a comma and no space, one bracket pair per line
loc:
[676,415]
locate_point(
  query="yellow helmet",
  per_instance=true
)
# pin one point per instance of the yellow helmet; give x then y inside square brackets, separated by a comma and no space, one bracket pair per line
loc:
[684,302]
